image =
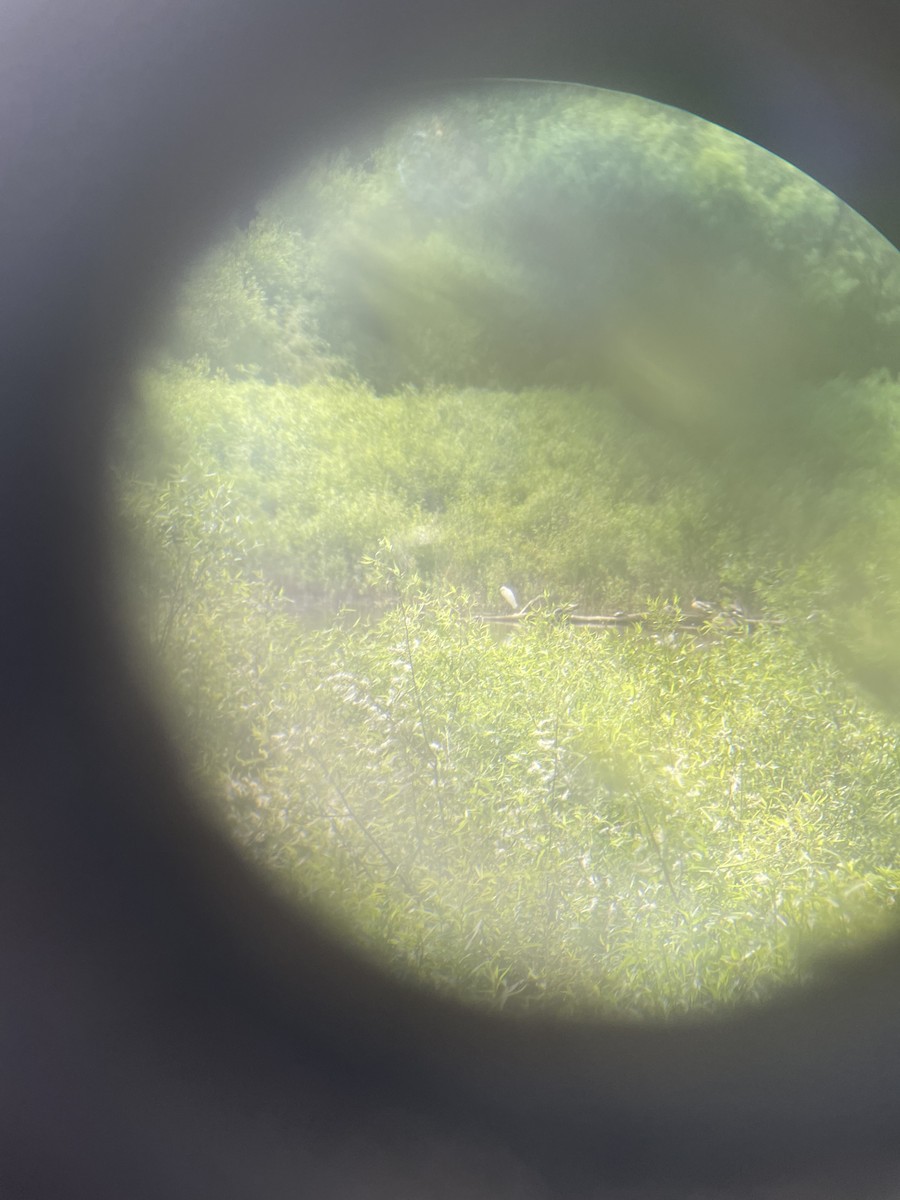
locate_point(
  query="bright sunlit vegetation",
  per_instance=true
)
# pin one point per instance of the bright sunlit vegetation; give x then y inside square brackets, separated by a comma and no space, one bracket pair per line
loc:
[514,508]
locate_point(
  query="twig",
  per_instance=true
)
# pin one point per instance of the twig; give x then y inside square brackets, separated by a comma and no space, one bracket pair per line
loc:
[394,867]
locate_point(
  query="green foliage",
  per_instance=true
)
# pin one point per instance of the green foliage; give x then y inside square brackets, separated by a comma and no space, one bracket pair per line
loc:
[646,823]
[606,354]
[558,817]
[248,309]
[541,488]
[521,235]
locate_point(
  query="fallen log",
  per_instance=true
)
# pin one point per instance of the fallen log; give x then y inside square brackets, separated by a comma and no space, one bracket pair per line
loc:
[721,622]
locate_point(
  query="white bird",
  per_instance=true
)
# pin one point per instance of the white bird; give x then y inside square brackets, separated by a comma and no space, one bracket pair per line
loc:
[510,597]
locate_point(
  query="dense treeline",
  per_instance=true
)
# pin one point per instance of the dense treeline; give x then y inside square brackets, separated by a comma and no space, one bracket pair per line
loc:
[578,344]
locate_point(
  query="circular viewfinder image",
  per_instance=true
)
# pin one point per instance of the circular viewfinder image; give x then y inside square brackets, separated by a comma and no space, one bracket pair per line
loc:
[511,516]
